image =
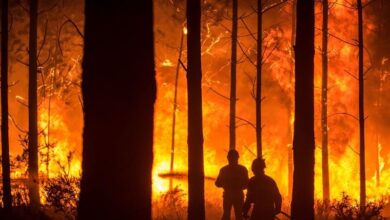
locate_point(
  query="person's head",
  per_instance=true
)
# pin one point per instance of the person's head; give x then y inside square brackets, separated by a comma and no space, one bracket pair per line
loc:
[233,156]
[258,166]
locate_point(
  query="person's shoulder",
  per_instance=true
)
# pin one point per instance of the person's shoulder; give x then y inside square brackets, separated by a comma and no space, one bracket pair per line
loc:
[243,168]
[252,179]
[253,182]
[226,167]
[269,179]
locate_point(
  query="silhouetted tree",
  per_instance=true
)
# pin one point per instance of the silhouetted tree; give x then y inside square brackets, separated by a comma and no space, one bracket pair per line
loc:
[324,103]
[33,183]
[289,103]
[302,206]
[7,199]
[175,108]
[258,78]
[119,90]
[196,207]
[233,76]
[362,152]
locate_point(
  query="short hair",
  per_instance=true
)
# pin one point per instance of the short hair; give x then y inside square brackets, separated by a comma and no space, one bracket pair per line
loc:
[258,164]
[233,154]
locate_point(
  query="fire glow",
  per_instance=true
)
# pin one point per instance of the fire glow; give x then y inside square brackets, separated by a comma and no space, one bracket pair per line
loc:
[277,108]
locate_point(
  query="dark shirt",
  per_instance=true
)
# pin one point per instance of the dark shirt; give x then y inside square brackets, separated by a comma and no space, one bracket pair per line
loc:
[264,193]
[233,178]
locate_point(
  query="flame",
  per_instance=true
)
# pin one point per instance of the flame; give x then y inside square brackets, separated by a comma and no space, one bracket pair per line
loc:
[167,63]
[278,106]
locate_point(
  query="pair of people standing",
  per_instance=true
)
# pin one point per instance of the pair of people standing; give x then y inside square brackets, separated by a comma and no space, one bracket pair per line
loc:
[262,190]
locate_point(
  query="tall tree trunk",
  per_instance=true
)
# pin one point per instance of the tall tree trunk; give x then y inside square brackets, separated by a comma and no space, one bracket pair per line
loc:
[258,78]
[233,76]
[119,91]
[302,206]
[361,107]
[7,199]
[196,206]
[324,103]
[290,103]
[33,184]
[175,108]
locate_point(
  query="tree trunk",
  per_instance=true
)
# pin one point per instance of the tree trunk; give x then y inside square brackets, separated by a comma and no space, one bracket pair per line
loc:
[289,105]
[175,108]
[361,107]
[33,184]
[324,104]
[233,96]
[302,206]
[7,199]
[258,78]
[196,206]
[119,91]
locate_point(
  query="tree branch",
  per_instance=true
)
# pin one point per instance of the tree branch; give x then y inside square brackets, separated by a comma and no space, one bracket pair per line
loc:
[60,30]
[218,93]
[353,76]
[246,55]
[182,64]
[276,4]
[344,113]
[246,121]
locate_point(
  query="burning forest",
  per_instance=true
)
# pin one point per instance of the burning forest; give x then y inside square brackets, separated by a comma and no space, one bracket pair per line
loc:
[122,110]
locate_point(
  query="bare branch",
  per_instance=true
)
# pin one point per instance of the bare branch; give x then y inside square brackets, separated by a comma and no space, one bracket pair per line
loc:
[16,125]
[246,55]
[367,70]
[247,28]
[20,61]
[276,4]
[60,30]
[182,64]
[344,113]
[47,59]
[247,122]
[248,15]
[250,151]
[353,76]
[269,54]
[50,8]
[218,93]
[353,150]
[252,80]
[338,38]
[44,38]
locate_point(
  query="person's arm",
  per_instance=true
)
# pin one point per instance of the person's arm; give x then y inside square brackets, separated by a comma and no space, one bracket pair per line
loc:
[278,199]
[220,179]
[248,200]
[245,179]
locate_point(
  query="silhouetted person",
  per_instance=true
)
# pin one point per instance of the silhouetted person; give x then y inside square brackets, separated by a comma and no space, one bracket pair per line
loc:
[263,193]
[233,178]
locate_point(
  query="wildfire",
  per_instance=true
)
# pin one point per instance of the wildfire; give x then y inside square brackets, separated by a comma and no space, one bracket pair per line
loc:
[278,116]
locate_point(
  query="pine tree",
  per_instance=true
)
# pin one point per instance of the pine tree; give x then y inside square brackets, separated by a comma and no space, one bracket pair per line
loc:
[302,206]
[324,103]
[119,90]
[196,205]
[233,79]
[5,162]
[33,183]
